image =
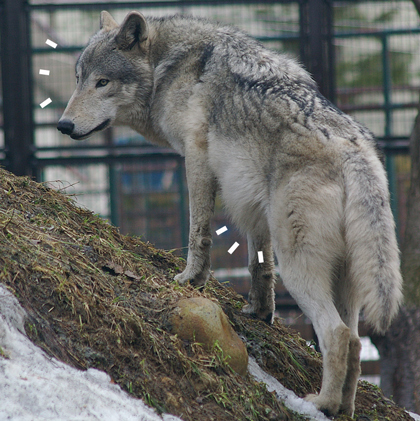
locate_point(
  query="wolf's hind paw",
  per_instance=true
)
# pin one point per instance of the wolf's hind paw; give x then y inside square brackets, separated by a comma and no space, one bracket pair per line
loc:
[327,406]
[267,317]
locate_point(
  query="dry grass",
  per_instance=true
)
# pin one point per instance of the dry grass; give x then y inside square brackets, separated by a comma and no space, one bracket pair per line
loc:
[98,299]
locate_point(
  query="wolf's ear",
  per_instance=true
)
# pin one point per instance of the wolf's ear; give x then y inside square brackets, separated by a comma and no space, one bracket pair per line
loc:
[133,30]
[107,22]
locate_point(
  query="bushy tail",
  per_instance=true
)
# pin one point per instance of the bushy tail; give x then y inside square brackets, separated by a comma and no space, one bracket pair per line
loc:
[372,250]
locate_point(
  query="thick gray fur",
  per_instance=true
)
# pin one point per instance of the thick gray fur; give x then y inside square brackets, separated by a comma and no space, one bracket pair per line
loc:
[295,173]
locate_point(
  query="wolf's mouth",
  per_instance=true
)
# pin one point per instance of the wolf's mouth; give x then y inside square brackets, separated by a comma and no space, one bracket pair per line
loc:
[102,126]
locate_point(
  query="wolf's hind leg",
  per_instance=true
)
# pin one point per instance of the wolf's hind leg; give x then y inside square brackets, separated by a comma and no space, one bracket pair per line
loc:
[346,303]
[311,290]
[202,187]
[305,221]
[335,349]
[353,372]
[261,296]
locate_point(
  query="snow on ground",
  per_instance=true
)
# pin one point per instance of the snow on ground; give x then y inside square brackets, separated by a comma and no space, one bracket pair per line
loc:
[35,387]
[290,399]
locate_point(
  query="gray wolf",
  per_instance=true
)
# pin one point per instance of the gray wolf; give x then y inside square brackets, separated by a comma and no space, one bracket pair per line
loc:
[296,174]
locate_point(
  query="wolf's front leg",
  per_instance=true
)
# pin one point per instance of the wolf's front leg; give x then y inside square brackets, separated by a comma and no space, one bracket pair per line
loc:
[261,296]
[202,188]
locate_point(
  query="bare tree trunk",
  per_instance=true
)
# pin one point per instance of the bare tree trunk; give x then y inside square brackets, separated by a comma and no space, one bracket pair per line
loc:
[400,359]
[400,347]
[411,246]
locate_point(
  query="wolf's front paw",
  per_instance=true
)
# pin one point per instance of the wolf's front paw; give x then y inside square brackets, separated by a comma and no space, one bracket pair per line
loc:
[197,279]
[327,406]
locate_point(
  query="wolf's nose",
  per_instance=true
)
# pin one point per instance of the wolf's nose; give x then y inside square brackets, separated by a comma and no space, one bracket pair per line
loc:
[65,126]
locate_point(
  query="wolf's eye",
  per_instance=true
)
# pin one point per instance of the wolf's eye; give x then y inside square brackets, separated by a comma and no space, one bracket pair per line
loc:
[101,83]
[77,79]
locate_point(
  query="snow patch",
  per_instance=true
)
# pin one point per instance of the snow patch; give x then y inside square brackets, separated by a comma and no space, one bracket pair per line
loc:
[35,387]
[290,399]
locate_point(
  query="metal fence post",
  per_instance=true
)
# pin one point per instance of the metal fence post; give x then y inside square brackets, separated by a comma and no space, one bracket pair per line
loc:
[17,86]
[390,158]
[317,51]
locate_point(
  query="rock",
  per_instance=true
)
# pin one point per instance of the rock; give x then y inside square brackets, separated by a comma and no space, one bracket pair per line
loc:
[203,321]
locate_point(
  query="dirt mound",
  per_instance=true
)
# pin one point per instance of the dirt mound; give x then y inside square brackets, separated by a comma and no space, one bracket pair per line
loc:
[98,299]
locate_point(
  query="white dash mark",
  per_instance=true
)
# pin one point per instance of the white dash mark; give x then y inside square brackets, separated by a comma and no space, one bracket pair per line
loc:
[233,248]
[44,72]
[221,230]
[260,257]
[45,103]
[51,43]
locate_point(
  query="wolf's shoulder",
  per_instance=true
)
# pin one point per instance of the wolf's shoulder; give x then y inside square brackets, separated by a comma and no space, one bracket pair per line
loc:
[227,47]
[188,23]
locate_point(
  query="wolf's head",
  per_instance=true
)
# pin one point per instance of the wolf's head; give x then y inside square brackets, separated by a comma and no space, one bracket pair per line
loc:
[114,78]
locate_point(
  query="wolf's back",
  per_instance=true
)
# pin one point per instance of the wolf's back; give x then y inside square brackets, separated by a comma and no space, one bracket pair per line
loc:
[372,250]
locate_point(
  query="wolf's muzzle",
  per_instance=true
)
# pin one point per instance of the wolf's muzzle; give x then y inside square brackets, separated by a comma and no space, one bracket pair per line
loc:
[65,126]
